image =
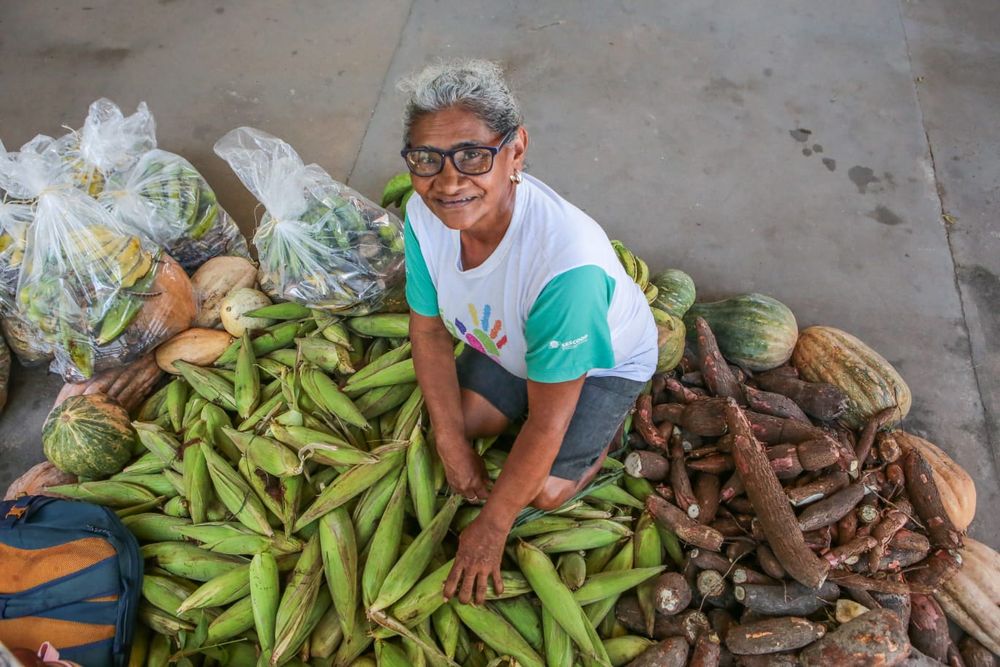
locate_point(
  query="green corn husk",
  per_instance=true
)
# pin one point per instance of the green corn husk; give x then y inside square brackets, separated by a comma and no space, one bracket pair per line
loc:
[152,527]
[235,494]
[339,550]
[588,535]
[221,590]
[108,493]
[234,621]
[498,633]
[351,484]
[406,572]
[385,544]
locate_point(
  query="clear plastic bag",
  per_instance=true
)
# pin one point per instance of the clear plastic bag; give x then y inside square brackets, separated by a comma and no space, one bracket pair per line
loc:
[319,243]
[109,142]
[100,293]
[166,198]
[24,338]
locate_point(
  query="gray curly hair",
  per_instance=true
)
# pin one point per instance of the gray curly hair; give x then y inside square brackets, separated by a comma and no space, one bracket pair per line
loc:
[477,85]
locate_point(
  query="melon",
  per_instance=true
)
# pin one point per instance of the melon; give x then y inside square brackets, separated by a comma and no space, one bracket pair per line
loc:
[90,436]
[236,306]
[214,280]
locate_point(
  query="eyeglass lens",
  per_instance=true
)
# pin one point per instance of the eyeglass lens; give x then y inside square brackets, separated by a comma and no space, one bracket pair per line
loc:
[468,161]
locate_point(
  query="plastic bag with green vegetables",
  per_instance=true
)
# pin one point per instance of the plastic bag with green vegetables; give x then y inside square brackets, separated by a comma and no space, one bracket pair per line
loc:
[108,142]
[99,292]
[166,198]
[319,243]
[23,337]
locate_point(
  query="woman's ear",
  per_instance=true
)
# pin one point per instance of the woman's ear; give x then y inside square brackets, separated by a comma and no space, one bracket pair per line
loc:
[520,147]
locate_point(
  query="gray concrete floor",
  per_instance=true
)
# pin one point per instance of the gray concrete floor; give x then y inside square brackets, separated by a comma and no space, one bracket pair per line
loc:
[808,150]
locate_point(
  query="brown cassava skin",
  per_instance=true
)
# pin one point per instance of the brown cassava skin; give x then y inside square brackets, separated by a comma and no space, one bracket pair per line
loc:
[702,559]
[715,464]
[643,420]
[732,488]
[784,461]
[818,399]
[875,639]
[707,651]
[926,499]
[831,509]
[850,551]
[688,530]
[847,530]
[818,454]
[788,599]
[704,417]
[715,372]
[867,439]
[896,558]
[889,449]
[671,593]
[773,635]
[928,627]
[741,505]
[647,464]
[769,563]
[679,393]
[957,490]
[671,652]
[775,430]
[777,520]
[821,487]
[770,403]
[784,659]
[706,491]
[680,482]
[975,654]
[687,624]
[746,575]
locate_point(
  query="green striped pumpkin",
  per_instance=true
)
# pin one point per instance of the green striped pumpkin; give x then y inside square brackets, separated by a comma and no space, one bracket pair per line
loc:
[669,340]
[676,291]
[826,354]
[753,330]
[90,436]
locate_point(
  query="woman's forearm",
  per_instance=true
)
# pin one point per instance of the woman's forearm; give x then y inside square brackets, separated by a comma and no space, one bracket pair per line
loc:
[524,472]
[434,362]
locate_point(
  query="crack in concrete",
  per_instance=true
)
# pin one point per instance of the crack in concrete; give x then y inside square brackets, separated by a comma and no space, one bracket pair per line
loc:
[939,193]
[381,92]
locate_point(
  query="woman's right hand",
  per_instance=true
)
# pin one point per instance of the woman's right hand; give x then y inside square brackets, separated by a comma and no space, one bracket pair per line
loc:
[465,470]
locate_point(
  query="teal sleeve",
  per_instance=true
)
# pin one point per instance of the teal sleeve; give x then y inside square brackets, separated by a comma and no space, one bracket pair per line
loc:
[420,291]
[567,331]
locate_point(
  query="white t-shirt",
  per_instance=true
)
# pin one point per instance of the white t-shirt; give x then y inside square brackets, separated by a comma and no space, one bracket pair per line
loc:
[550,304]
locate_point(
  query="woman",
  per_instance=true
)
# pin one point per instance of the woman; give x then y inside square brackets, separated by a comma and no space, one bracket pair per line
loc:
[554,327]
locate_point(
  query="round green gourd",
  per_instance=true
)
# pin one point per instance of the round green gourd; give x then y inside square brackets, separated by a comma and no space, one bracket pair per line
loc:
[753,330]
[676,293]
[90,436]
[669,340]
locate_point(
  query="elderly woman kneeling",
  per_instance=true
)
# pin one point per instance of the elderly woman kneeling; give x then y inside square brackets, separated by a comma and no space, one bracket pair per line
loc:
[555,330]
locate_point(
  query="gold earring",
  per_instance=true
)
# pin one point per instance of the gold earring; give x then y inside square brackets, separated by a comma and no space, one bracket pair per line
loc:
[516,178]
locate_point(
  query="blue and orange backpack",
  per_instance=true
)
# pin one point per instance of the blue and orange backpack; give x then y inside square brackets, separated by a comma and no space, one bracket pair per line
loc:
[70,575]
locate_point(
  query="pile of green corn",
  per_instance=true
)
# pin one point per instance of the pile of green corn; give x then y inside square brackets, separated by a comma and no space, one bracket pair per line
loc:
[292,511]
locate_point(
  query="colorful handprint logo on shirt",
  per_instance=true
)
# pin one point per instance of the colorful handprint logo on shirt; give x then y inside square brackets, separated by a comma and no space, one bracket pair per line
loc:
[485,335]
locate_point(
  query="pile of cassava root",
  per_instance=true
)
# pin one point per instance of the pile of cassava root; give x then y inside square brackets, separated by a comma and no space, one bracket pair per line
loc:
[806,543]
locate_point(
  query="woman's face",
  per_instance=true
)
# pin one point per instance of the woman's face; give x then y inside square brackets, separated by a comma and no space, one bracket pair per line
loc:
[459,200]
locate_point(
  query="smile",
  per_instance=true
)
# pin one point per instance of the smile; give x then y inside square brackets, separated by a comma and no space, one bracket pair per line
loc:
[455,203]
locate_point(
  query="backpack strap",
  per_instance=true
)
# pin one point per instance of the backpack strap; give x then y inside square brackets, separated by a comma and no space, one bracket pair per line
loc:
[22,509]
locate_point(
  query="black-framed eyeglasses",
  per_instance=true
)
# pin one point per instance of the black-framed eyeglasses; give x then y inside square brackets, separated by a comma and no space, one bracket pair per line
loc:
[468,160]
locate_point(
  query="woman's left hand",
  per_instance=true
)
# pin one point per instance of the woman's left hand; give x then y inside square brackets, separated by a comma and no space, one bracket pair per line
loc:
[480,549]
